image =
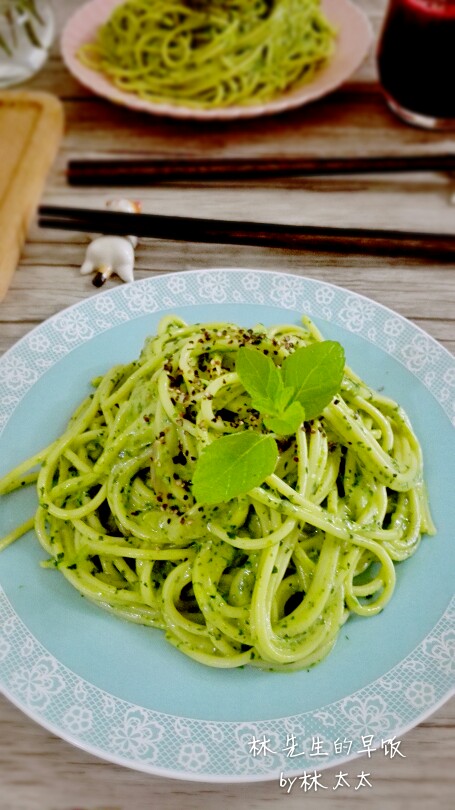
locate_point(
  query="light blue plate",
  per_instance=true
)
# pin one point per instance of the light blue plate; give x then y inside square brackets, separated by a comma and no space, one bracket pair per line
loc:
[119,690]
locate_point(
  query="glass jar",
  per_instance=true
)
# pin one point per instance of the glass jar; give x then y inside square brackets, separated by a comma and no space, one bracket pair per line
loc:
[26,34]
[416,61]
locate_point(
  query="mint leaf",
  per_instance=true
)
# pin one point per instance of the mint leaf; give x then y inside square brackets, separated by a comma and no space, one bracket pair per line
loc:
[264,382]
[260,377]
[232,465]
[263,405]
[288,421]
[315,372]
[284,398]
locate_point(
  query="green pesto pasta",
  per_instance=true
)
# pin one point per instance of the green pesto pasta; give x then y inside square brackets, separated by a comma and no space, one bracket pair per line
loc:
[267,578]
[211,53]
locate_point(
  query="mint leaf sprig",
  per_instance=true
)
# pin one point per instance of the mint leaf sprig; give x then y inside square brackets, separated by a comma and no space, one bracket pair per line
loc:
[274,400]
[285,397]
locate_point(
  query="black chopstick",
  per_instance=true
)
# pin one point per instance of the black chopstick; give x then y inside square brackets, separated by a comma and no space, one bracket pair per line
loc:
[145,171]
[230,232]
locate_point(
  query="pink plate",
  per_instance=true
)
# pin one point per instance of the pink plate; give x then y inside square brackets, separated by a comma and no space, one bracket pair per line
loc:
[354,40]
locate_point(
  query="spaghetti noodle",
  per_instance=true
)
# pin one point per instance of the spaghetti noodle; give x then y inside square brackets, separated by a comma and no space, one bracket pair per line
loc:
[267,578]
[211,53]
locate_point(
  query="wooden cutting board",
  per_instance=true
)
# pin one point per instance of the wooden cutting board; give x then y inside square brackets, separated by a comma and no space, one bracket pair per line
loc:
[31,128]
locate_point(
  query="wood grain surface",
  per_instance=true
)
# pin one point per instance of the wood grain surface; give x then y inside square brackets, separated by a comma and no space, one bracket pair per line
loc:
[38,771]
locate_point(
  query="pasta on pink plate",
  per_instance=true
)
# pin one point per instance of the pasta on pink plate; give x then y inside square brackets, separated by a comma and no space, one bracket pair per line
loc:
[247,65]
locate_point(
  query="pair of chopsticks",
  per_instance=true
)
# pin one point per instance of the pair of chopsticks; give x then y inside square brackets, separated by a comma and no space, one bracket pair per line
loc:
[231,232]
[144,171]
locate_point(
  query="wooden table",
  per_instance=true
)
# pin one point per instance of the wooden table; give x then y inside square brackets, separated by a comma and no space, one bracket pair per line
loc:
[38,771]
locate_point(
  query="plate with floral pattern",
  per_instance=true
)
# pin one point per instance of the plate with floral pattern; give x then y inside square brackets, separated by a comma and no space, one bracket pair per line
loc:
[118,690]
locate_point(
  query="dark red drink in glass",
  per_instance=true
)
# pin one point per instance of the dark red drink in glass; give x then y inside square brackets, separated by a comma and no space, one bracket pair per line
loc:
[416,61]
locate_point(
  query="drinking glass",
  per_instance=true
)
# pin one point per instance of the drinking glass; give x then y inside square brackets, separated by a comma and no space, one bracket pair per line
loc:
[416,61]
